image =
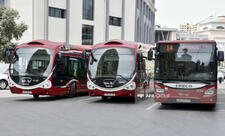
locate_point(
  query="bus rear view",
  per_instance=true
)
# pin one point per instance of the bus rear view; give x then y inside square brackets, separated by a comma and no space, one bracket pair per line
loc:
[186,72]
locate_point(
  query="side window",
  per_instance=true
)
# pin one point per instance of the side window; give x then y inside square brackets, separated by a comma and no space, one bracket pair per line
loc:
[77,69]
[73,68]
[83,70]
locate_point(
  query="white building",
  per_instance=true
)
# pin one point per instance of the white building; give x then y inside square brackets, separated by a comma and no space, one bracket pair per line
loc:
[86,21]
[214,27]
[181,35]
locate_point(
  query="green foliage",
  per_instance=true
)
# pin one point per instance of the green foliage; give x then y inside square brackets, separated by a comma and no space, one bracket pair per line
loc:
[10,29]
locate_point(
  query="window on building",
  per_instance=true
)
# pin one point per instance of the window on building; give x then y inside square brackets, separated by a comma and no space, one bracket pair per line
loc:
[56,12]
[2,2]
[138,4]
[87,34]
[116,21]
[219,27]
[205,28]
[88,9]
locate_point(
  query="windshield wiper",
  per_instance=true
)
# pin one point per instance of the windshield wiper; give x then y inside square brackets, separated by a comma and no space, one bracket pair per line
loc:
[203,81]
[109,77]
[123,77]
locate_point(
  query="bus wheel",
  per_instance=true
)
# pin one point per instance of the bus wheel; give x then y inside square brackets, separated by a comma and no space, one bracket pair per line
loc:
[105,98]
[36,96]
[73,90]
[164,104]
[3,84]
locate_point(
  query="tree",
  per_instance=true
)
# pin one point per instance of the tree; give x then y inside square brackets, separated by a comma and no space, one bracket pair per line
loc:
[10,29]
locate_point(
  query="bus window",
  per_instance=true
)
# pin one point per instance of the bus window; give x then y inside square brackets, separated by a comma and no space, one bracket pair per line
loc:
[73,68]
[77,69]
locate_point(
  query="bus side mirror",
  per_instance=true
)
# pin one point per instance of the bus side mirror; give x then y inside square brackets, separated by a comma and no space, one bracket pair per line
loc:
[84,53]
[4,53]
[220,56]
[150,54]
[60,55]
[139,57]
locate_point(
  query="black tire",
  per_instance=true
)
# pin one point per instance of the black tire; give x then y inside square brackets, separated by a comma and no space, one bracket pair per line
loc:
[73,90]
[105,98]
[220,80]
[164,104]
[3,84]
[212,106]
[36,96]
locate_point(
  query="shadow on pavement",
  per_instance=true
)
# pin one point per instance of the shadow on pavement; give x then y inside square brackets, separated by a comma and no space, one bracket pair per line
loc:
[188,107]
[119,100]
[51,98]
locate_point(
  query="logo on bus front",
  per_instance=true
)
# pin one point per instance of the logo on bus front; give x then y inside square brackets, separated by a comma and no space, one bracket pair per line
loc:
[109,83]
[26,80]
[184,86]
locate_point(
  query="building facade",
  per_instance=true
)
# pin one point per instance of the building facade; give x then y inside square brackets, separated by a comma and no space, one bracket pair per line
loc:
[181,35]
[165,33]
[86,21]
[214,28]
[190,28]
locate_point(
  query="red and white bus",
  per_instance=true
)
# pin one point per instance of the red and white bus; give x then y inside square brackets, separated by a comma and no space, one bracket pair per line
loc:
[186,72]
[47,68]
[119,69]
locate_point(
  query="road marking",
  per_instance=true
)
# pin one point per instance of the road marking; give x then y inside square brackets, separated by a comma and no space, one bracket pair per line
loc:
[152,106]
[90,98]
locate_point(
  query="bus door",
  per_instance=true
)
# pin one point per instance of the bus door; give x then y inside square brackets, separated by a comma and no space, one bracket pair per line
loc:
[78,70]
[60,73]
[141,78]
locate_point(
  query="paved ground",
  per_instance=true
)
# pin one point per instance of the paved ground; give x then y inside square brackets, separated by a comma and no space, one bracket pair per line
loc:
[20,115]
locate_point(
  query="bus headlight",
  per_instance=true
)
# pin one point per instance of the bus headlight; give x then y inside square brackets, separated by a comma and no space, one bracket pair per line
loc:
[210,91]
[90,86]
[159,89]
[11,84]
[130,86]
[47,84]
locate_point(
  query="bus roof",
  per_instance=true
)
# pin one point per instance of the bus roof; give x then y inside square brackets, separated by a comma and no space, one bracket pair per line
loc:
[80,47]
[54,45]
[42,43]
[188,41]
[120,43]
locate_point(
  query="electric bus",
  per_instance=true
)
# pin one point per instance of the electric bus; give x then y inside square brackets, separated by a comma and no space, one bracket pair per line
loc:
[186,72]
[47,68]
[120,69]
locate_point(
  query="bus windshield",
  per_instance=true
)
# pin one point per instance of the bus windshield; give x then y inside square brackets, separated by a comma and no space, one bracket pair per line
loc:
[31,62]
[112,63]
[186,61]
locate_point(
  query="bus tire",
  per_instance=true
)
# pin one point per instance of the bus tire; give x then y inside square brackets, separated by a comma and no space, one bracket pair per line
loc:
[105,98]
[36,96]
[73,90]
[3,84]
[164,104]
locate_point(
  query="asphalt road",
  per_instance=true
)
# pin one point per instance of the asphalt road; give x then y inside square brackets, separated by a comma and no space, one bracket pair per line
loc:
[20,115]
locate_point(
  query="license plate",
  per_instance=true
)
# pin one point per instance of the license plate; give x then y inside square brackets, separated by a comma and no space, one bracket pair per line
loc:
[184,100]
[26,92]
[109,94]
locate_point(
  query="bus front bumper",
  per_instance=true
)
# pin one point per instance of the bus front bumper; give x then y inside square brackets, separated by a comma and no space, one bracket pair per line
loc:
[204,99]
[120,93]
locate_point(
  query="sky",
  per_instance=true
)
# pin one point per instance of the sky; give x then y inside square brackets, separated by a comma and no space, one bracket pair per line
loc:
[171,13]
